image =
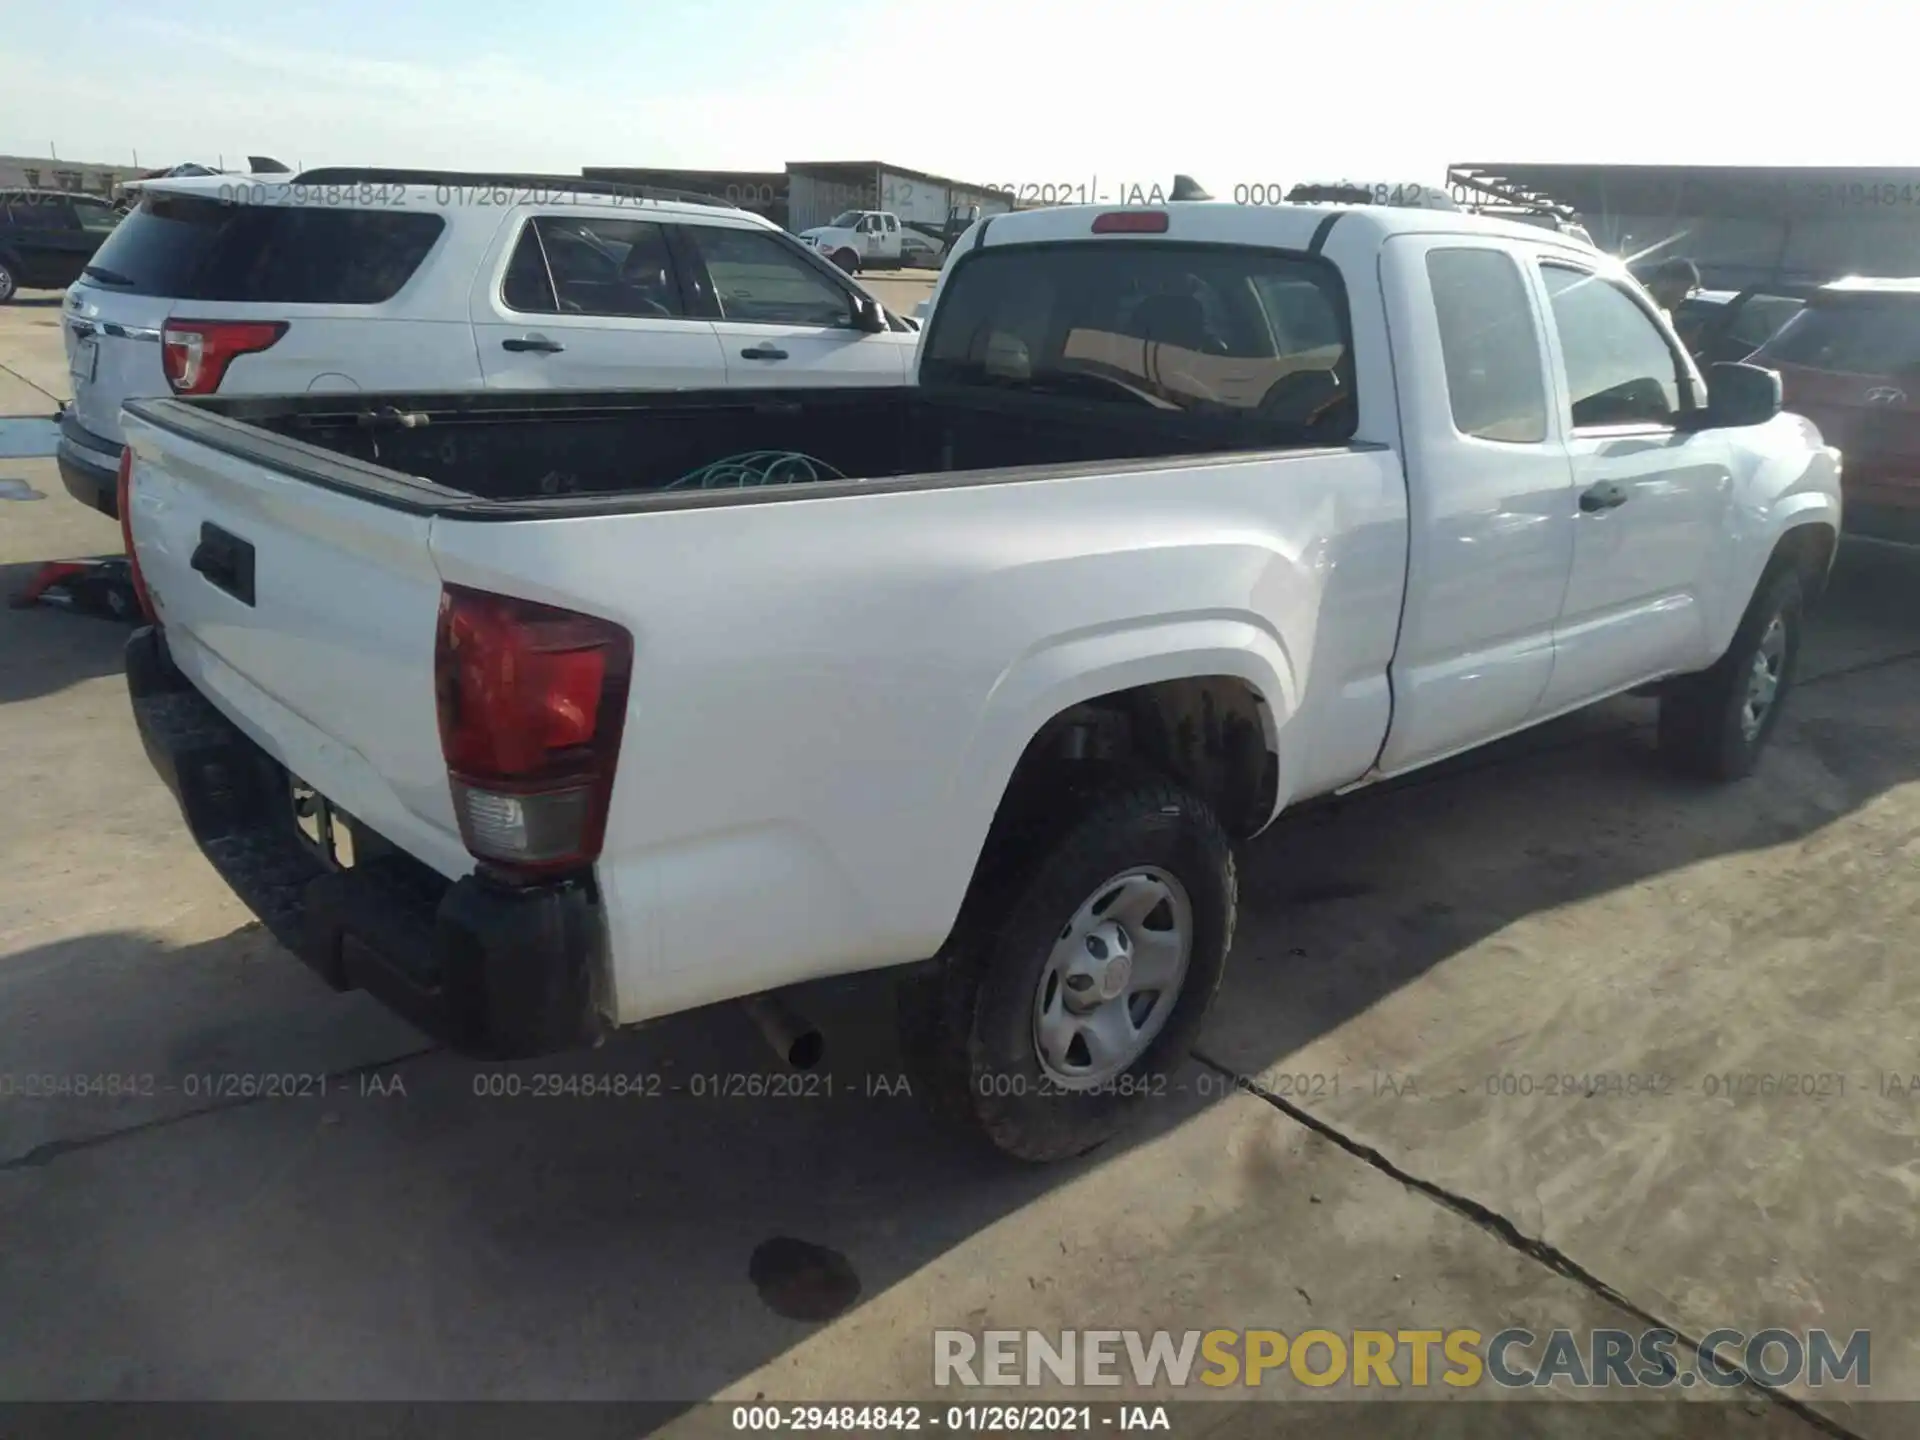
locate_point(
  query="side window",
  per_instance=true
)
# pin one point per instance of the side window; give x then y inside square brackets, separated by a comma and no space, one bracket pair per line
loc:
[1620,370]
[44,212]
[94,216]
[607,267]
[1489,346]
[528,287]
[757,279]
[1874,335]
[1760,319]
[891,223]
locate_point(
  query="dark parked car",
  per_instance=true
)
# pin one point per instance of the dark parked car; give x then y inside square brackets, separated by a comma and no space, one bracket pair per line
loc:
[1850,362]
[47,237]
[1725,326]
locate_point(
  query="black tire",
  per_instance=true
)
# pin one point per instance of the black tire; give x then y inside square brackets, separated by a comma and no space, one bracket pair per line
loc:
[847,260]
[967,1019]
[9,283]
[1703,729]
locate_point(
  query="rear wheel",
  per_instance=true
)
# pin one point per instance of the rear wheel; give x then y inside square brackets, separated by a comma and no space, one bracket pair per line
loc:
[1713,725]
[1079,973]
[847,260]
[9,283]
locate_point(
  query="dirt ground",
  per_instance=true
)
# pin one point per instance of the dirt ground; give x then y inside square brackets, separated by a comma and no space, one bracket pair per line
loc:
[1376,1133]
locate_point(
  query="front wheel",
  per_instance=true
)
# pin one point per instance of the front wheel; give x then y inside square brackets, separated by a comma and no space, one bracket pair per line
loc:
[9,283]
[847,260]
[1079,973]
[1713,725]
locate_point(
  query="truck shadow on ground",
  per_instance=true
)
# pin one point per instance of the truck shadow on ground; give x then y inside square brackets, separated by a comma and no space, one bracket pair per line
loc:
[419,1226]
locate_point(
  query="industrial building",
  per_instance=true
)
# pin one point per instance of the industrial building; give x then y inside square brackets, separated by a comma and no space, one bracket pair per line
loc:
[46,173]
[1742,225]
[810,193]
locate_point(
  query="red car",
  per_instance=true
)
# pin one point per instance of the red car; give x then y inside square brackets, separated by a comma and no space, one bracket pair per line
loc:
[1850,362]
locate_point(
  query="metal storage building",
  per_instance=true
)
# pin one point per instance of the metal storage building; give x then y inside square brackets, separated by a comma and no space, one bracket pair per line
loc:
[807,193]
[817,191]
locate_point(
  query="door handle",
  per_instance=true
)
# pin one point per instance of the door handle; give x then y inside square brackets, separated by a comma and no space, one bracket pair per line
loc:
[226,561]
[763,352]
[1607,495]
[538,344]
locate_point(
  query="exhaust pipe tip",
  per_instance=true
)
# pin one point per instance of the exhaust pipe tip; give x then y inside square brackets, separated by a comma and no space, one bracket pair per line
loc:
[807,1050]
[793,1039]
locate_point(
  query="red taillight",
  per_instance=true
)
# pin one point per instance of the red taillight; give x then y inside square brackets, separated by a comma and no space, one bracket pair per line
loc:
[195,353]
[531,701]
[123,505]
[1131,222]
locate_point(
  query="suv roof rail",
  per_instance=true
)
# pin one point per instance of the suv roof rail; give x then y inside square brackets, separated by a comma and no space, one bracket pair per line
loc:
[585,185]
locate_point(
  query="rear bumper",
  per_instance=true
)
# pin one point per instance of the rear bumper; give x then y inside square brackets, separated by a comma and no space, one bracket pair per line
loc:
[89,466]
[493,971]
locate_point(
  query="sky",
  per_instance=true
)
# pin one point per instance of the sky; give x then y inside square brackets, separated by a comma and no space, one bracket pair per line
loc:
[1007,92]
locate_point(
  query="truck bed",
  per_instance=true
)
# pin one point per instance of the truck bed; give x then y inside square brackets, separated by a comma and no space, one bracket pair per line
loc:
[480,454]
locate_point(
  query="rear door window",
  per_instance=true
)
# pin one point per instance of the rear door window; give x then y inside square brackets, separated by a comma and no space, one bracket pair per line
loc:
[568,265]
[1224,331]
[1877,335]
[188,248]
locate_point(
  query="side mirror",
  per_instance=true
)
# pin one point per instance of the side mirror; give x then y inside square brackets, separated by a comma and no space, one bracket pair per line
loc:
[1740,394]
[868,316]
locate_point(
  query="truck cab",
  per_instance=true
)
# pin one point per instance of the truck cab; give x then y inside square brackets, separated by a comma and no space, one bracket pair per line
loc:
[859,239]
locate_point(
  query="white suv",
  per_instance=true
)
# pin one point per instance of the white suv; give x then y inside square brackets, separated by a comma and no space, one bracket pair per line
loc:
[384,280]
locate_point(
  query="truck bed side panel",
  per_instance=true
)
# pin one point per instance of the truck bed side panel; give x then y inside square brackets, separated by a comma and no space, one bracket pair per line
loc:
[830,694]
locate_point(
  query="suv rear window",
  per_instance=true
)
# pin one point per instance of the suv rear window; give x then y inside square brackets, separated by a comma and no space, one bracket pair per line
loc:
[187,248]
[1252,335]
[1858,335]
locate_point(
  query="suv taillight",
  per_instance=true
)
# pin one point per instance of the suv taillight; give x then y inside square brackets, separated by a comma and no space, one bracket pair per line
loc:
[531,701]
[195,353]
[123,506]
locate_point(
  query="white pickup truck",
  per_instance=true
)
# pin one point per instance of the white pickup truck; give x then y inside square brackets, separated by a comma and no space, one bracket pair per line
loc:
[860,240]
[544,714]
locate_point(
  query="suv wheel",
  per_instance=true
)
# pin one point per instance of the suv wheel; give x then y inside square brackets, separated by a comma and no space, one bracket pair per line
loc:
[9,285]
[1079,973]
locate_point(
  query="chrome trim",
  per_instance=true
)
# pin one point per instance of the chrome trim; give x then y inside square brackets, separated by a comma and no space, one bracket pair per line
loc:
[131,332]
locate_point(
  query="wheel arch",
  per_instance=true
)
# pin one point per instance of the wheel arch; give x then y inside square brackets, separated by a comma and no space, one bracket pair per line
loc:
[1206,707]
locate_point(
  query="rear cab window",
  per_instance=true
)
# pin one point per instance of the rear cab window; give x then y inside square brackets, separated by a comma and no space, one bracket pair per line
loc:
[185,247]
[1257,340]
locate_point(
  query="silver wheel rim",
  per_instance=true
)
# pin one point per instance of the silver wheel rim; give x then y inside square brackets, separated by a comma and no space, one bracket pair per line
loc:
[1112,978]
[6,283]
[1763,678]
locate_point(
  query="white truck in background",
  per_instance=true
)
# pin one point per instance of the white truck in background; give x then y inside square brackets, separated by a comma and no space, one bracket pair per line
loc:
[631,703]
[859,240]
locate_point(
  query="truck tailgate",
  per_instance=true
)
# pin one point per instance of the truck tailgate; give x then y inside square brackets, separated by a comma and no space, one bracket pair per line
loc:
[307,617]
